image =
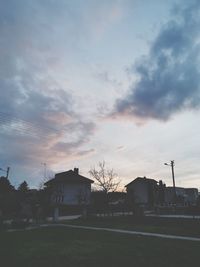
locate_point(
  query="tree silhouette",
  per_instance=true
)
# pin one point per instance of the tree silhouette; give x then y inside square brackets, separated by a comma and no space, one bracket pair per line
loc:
[7,197]
[23,187]
[106,179]
[5,185]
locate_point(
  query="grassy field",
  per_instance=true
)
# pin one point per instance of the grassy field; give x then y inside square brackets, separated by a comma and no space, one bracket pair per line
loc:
[71,247]
[183,227]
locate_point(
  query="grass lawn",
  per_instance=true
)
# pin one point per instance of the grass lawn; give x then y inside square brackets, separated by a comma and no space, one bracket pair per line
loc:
[184,227]
[59,246]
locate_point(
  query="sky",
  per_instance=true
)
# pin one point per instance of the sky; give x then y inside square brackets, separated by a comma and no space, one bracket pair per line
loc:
[83,82]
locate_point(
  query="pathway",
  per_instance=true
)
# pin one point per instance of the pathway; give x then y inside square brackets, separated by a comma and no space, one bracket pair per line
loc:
[188,238]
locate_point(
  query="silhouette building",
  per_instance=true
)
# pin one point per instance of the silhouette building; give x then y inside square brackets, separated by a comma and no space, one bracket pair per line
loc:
[143,191]
[70,188]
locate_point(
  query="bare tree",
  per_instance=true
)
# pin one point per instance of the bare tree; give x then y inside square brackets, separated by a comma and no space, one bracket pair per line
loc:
[49,176]
[106,179]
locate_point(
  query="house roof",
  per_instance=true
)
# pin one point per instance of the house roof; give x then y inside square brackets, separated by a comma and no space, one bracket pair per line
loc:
[142,179]
[183,188]
[177,187]
[191,188]
[69,177]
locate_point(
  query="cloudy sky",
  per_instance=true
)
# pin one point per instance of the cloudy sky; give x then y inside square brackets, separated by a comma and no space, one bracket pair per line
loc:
[86,81]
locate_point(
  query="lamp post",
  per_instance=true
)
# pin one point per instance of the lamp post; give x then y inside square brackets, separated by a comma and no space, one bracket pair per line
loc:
[173,178]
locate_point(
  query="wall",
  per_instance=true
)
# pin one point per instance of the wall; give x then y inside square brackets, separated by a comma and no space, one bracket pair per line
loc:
[72,194]
[139,191]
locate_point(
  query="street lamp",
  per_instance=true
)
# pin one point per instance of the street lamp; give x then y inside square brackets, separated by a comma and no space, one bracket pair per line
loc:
[173,178]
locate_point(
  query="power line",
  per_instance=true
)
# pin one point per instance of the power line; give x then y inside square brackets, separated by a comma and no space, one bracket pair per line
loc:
[14,126]
[36,125]
[10,122]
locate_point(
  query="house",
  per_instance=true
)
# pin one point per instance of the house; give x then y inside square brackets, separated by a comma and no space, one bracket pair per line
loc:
[170,195]
[143,191]
[184,196]
[148,193]
[192,195]
[70,188]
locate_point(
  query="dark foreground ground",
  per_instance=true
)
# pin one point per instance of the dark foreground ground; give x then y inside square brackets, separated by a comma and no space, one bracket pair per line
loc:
[172,226]
[59,246]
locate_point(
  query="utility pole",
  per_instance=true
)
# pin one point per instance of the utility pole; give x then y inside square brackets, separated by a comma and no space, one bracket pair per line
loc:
[172,165]
[173,177]
[7,171]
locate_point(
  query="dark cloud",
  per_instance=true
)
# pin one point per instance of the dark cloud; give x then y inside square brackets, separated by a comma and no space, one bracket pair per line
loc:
[83,132]
[35,126]
[169,77]
[38,120]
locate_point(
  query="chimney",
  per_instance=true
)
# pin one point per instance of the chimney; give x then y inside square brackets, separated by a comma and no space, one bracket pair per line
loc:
[76,171]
